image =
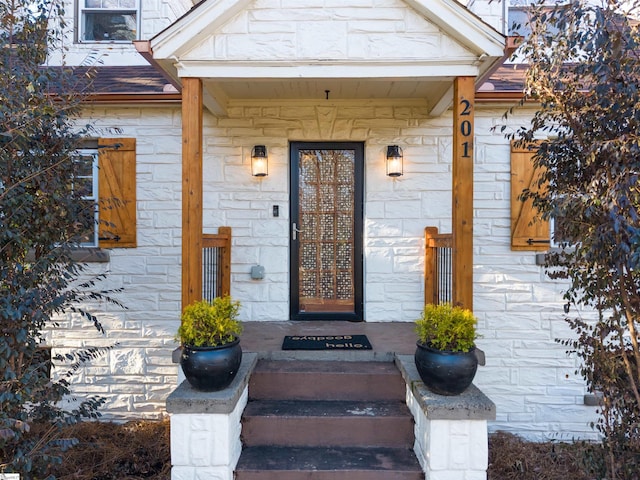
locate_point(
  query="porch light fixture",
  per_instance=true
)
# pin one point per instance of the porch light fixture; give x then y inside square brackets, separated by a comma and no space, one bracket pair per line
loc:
[259,161]
[394,161]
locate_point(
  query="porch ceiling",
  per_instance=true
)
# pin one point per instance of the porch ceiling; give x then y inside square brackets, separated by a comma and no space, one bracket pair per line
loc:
[321,88]
[244,50]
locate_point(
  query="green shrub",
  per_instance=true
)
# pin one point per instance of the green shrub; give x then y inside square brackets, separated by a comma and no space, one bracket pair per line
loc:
[445,327]
[210,324]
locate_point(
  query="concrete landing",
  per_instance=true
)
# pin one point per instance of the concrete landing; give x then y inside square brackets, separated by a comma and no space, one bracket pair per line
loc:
[387,338]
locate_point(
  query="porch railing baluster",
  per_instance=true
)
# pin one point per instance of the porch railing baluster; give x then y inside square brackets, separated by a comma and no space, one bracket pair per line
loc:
[216,264]
[438,272]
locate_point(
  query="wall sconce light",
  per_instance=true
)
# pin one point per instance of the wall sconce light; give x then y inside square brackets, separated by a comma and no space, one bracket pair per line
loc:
[259,161]
[394,161]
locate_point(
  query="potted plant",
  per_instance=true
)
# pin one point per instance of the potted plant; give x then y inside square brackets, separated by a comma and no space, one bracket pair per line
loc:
[210,338]
[445,355]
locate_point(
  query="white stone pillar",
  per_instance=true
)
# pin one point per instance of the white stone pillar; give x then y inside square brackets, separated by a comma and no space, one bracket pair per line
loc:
[206,427]
[451,433]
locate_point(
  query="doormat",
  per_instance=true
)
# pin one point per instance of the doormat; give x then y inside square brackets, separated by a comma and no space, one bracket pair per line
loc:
[326,342]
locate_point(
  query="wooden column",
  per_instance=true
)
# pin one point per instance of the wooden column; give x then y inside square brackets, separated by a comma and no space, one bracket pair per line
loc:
[191,190]
[462,228]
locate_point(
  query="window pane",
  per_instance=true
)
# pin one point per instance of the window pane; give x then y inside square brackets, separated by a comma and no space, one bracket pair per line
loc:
[84,186]
[85,165]
[87,219]
[110,26]
[519,18]
[93,3]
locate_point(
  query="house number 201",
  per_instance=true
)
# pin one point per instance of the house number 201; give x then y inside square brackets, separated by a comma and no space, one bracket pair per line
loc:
[465,127]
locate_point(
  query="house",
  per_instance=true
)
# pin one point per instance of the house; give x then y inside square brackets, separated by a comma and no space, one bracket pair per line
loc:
[316,85]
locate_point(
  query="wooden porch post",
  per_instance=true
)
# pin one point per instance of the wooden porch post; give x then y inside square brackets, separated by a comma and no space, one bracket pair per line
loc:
[191,190]
[462,228]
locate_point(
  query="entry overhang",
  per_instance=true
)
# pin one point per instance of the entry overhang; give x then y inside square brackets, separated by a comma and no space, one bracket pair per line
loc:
[241,51]
[382,71]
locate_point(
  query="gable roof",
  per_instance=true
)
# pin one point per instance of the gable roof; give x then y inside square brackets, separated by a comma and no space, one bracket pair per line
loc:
[242,47]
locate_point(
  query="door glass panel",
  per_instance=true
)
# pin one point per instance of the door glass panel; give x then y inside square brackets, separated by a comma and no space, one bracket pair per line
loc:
[326,224]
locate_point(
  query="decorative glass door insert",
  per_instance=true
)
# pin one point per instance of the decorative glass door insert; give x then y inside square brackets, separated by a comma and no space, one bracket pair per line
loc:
[326,231]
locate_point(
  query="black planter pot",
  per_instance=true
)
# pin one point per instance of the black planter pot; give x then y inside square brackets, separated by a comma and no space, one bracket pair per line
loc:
[211,368]
[445,372]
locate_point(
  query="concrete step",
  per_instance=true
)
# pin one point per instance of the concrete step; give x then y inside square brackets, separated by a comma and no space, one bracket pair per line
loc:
[326,380]
[327,423]
[352,463]
[327,420]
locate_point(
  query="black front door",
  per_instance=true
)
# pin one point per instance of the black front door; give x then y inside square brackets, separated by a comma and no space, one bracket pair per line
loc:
[326,230]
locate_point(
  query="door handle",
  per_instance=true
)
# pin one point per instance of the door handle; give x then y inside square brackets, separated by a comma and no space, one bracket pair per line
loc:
[295,231]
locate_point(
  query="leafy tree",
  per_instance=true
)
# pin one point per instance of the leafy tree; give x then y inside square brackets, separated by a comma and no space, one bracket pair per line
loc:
[41,220]
[584,73]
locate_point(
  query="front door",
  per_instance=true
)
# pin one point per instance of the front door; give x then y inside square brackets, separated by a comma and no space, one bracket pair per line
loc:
[326,230]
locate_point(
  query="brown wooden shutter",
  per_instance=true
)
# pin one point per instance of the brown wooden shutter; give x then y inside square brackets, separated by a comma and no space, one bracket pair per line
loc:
[117,192]
[528,230]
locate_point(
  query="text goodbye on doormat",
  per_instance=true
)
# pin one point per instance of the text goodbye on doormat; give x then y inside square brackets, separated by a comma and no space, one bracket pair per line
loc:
[326,342]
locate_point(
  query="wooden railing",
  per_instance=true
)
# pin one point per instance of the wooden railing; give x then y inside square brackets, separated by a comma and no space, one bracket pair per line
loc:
[438,266]
[216,263]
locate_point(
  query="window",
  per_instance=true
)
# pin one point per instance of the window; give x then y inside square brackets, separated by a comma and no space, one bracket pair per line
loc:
[106,181]
[108,20]
[86,183]
[519,18]
[558,239]
[519,21]
[528,231]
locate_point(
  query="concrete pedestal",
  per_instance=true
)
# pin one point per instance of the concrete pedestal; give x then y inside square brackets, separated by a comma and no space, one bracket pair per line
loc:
[451,437]
[205,427]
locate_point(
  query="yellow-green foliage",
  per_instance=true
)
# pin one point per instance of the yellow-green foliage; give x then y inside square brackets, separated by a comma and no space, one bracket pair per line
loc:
[445,327]
[207,324]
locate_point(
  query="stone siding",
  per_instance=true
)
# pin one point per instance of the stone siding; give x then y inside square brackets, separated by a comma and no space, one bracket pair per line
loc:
[358,30]
[528,375]
[364,23]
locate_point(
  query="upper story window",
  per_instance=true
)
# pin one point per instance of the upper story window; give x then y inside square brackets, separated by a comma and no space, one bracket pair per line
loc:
[519,21]
[519,17]
[108,20]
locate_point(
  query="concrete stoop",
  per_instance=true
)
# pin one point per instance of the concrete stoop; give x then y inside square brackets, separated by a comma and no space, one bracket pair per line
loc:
[327,420]
[304,418]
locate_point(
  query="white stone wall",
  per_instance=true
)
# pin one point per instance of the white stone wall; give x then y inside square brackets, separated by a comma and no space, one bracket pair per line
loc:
[358,30]
[528,375]
[206,445]
[490,11]
[451,449]
[396,211]
[137,374]
[364,23]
